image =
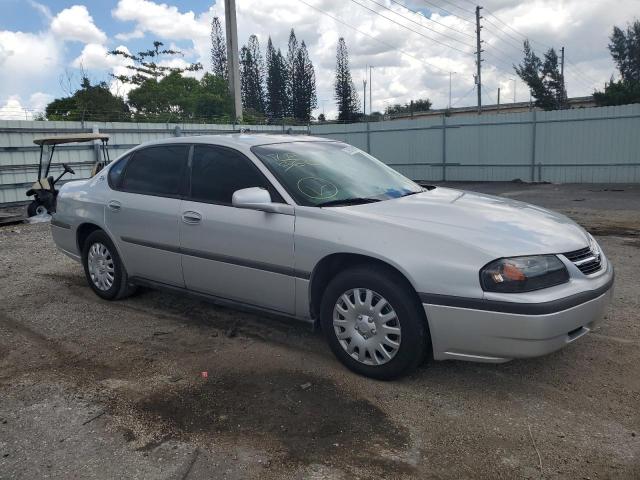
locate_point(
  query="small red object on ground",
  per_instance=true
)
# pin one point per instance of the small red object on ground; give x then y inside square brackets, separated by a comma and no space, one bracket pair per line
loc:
[204,374]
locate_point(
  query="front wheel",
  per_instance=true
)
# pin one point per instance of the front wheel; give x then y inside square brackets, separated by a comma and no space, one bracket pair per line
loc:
[374,323]
[103,268]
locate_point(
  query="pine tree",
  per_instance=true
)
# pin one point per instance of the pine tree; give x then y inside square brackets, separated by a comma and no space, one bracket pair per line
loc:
[625,51]
[543,78]
[252,76]
[145,64]
[276,83]
[345,91]
[304,87]
[292,51]
[218,50]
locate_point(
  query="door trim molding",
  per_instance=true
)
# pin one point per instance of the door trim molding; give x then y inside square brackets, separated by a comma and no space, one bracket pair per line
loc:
[241,262]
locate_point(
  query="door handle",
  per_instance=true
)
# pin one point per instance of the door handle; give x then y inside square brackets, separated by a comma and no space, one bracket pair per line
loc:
[114,205]
[191,217]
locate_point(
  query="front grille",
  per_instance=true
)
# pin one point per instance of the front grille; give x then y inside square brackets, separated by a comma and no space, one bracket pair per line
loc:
[586,261]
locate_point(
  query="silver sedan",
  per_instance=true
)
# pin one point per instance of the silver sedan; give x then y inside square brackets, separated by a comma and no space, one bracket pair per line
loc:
[321,231]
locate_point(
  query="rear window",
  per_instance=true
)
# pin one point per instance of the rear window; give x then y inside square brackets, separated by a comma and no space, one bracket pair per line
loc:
[156,170]
[115,172]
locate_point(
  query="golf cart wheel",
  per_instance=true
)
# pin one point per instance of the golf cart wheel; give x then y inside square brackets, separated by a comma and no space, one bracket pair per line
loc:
[36,208]
[103,268]
[374,323]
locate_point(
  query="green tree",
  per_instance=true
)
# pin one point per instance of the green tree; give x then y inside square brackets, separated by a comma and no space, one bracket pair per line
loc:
[304,88]
[625,51]
[218,50]
[179,98]
[213,99]
[420,105]
[543,78]
[346,95]
[276,83]
[252,76]
[292,50]
[89,102]
[145,66]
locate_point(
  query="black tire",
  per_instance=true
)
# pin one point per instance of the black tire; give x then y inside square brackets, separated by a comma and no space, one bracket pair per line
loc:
[32,208]
[120,288]
[415,340]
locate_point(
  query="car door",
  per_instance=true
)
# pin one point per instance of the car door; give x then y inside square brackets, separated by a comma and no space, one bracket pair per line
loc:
[143,211]
[237,254]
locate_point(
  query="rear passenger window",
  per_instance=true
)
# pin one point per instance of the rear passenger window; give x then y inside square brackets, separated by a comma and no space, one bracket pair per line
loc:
[156,170]
[218,172]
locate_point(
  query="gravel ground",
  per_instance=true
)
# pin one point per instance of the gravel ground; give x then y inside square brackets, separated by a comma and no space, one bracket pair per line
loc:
[94,389]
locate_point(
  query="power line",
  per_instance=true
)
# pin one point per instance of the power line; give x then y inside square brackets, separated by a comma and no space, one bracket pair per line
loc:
[458,6]
[533,40]
[410,29]
[432,20]
[447,11]
[382,42]
[459,99]
[420,24]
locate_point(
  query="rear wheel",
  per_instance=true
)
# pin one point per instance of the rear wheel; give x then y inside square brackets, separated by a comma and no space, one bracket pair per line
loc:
[103,268]
[373,322]
[36,208]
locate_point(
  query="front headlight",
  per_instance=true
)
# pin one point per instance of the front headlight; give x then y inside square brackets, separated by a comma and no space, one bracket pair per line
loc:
[523,274]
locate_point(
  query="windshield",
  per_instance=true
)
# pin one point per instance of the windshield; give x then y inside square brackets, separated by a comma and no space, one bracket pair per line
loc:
[332,173]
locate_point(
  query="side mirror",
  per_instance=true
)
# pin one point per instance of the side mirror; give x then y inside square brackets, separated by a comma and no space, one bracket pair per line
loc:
[256,198]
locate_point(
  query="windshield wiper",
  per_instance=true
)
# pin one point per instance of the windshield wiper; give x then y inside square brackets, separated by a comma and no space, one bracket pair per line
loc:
[348,201]
[411,193]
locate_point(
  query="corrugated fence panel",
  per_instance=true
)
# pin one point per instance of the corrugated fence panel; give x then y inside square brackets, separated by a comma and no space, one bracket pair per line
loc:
[19,155]
[580,145]
[489,147]
[588,145]
[413,147]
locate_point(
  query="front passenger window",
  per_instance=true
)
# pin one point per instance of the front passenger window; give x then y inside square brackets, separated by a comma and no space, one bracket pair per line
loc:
[218,172]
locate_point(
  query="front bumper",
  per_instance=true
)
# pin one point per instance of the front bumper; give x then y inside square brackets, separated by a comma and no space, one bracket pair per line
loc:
[493,336]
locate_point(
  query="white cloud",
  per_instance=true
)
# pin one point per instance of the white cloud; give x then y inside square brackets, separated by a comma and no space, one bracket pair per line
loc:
[28,60]
[130,36]
[159,19]
[42,9]
[14,109]
[75,23]
[96,57]
[39,100]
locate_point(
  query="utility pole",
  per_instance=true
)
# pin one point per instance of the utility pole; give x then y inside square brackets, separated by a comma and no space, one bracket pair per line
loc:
[233,60]
[479,58]
[449,106]
[514,90]
[498,109]
[364,93]
[370,98]
[564,90]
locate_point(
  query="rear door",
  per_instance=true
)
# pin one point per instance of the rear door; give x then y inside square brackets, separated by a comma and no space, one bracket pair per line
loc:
[143,212]
[233,253]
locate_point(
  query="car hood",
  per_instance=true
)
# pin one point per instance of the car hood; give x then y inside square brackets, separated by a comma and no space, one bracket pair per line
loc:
[498,226]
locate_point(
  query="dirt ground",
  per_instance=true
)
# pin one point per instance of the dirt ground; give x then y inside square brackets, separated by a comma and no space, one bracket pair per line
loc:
[95,389]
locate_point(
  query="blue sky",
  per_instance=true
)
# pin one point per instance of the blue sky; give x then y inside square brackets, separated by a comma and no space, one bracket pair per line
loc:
[44,42]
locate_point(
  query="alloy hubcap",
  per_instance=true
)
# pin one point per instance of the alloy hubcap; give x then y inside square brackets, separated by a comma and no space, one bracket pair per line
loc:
[101,267]
[366,326]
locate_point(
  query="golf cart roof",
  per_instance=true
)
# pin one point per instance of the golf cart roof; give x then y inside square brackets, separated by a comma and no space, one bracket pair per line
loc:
[76,137]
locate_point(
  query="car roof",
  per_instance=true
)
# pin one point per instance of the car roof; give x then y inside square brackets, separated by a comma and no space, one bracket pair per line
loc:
[238,139]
